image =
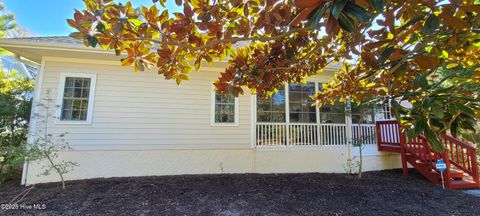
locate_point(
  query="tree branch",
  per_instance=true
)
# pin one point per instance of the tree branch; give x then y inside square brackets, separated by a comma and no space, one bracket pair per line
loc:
[171,41]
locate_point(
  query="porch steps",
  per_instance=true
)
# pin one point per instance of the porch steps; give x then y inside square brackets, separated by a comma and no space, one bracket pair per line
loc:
[464,184]
[460,157]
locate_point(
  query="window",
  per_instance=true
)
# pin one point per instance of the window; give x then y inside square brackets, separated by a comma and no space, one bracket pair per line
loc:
[362,115]
[271,109]
[225,109]
[302,107]
[332,113]
[76,98]
[383,112]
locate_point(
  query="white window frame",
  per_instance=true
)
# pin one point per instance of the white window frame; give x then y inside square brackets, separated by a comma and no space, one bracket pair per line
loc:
[91,98]
[212,111]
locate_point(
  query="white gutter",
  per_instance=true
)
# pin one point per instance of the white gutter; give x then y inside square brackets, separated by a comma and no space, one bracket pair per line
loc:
[57,48]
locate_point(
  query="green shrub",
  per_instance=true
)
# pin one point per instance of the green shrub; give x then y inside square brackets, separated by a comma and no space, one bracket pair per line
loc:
[15,106]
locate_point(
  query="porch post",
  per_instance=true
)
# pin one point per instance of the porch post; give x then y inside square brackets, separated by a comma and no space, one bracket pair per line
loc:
[253,117]
[287,114]
[317,116]
[348,129]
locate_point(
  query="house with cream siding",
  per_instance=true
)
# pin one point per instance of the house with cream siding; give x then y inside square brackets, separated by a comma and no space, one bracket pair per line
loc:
[120,123]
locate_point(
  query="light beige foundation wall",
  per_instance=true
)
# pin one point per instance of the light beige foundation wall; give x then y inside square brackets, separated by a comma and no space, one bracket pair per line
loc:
[104,164]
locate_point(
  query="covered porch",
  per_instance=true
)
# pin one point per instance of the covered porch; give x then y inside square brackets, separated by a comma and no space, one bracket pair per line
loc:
[290,119]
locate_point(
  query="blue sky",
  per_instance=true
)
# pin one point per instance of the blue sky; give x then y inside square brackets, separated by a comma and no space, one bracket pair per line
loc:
[48,17]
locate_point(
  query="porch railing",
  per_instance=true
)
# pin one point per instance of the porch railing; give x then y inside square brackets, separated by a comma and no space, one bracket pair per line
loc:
[305,134]
[363,133]
[389,135]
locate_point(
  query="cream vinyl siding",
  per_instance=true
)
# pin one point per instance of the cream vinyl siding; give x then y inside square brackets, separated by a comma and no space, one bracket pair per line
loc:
[143,125]
[142,111]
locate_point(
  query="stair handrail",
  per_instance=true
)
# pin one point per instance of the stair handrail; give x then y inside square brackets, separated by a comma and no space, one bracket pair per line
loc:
[468,164]
[448,156]
[429,151]
[434,156]
[460,142]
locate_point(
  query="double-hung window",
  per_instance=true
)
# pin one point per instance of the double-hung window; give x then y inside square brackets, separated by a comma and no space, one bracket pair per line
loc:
[302,107]
[272,109]
[224,109]
[75,98]
[362,115]
[332,113]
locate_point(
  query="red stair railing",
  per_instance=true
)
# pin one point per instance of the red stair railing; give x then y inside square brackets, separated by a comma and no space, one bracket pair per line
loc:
[388,136]
[419,149]
[457,153]
[462,155]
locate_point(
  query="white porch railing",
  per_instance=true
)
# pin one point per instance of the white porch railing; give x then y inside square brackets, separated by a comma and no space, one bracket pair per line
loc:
[364,133]
[304,134]
[271,134]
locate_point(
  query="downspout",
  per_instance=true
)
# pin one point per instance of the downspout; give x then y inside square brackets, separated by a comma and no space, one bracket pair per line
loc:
[33,121]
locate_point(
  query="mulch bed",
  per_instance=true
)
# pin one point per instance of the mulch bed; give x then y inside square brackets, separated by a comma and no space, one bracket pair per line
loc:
[377,193]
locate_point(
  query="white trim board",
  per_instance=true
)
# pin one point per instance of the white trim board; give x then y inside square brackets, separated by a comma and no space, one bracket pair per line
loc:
[33,120]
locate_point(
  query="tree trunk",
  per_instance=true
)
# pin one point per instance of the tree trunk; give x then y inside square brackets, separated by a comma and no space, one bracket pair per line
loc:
[360,144]
[56,170]
[1,168]
[63,182]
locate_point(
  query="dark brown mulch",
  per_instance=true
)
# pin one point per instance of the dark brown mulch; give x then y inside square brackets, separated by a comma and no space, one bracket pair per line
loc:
[378,193]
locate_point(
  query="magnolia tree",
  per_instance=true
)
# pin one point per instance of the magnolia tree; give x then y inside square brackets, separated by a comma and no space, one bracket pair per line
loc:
[389,48]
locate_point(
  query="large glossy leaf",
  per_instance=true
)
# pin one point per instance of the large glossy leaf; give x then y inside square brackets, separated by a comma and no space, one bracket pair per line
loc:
[454,128]
[379,5]
[346,22]
[332,25]
[316,15]
[454,22]
[437,110]
[369,58]
[465,109]
[385,54]
[422,80]
[431,24]
[92,41]
[100,27]
[420,126]
[471,8]
[337,8]
[427,62]
[357,12]
[433,140]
